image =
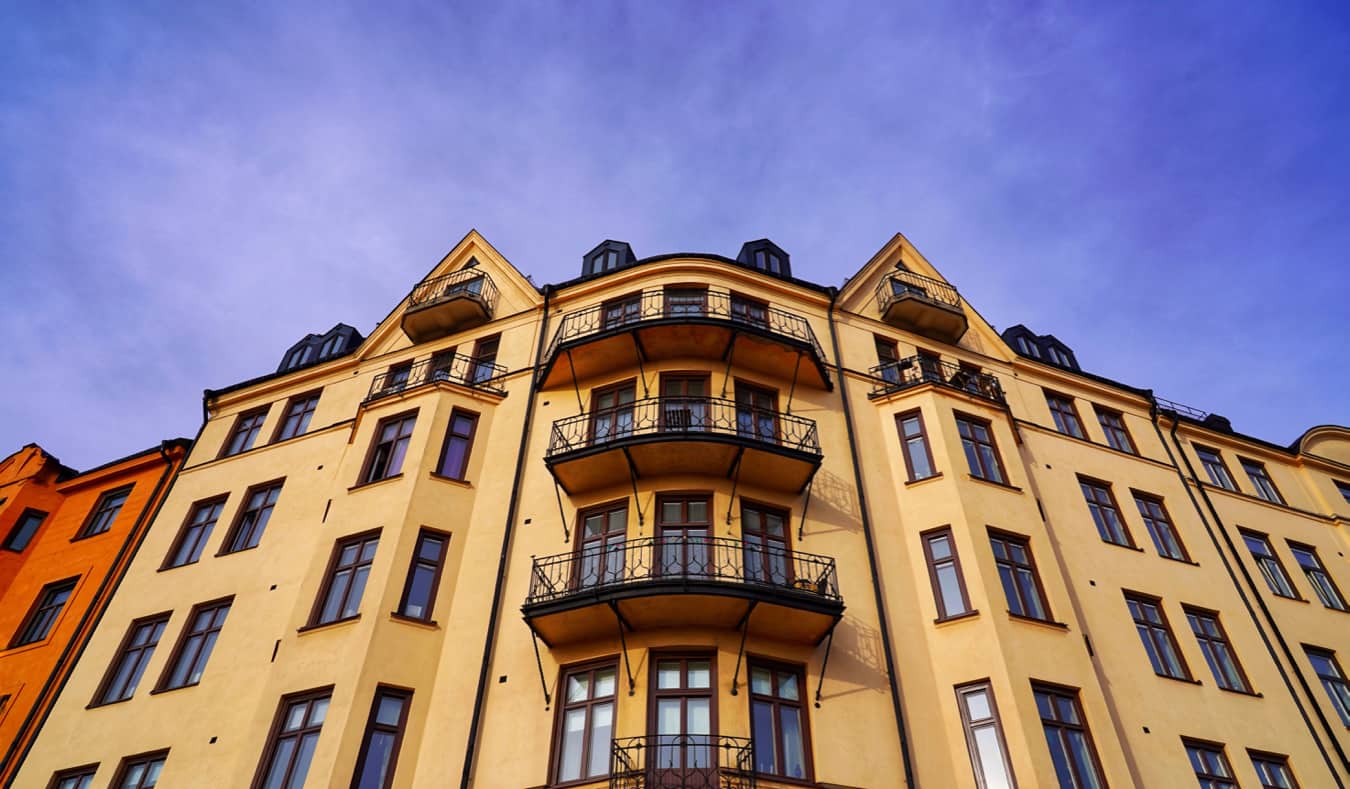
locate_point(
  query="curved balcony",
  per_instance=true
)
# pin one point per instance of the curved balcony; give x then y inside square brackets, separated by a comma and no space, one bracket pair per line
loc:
[663,582]
[443,305]
[917,370]
[684,323]
[683,435]
[677,761]
[923,305]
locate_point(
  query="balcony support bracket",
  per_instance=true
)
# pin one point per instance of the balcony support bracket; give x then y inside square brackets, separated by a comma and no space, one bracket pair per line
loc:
[735,473]
[801,527]
[641,357]
[824,664]
[729,354]
[623,642]
[539,661]
[792,390]
[633,478]
[575,386]
[744,627]
[562,514]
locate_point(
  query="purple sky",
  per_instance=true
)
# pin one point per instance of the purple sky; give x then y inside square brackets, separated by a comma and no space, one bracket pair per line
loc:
[187,192]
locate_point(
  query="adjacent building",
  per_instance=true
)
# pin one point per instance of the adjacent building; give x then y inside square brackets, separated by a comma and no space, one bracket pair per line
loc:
[690,521]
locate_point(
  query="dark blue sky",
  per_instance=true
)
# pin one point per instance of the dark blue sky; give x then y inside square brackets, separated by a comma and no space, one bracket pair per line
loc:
[188,190]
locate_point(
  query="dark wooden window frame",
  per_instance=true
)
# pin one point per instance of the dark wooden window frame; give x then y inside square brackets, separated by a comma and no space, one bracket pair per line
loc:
[654,694]
[1200,451]
[310,402]
[1321,569]
[123,649]
[329,572]
[1343,488]
[765,509]
[667,304]
[900,419]
[1256,474]
[368,465]
[1025,541]
[83,771]
[595,411]
[1067,410]
[129,762]
[1340,678]
[485,350]
[240,423]
[777,665]
[1244,533]
[1140,497]
[188,521]
[968,726]
[1223,639]
[451,436]
[1269,757]
[372,725]
[1109,430]
[559,717]
[12,537]
[1213,749]
[1110,503]
[185,635]
[95,516]
[237,525]
[22,636]
[1074,696]
[1161,629]
[278,720]
[925,537]
[988,426]
[413,565]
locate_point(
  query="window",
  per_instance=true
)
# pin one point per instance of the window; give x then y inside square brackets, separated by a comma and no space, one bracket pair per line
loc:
[396,377]
[295,420]
[458,443]
[105,512]
[984,736]
[1269,564]
[683,529]
[132,657]
[585,723]
[764,536]
[195,645]
[1317,576]
[252,520]
[1213,641]
[1273,770]
[914,446]
[1017,572]
[292,741]
[24,530]
[1028,348]
[37,625]
[981,454]
[612,412]
[384,735]
[778,724]
[424,575]
[1265,486]
[686,302]
[747,310]
[1113,425]
[682,707]
[1065,415]
[391,446]
[1058,357]
[1210,765]
[684,401]
[1344,488]
[1160,528]
[141,771]
[621,311]
[1214,466]
[246,428]
[345,580]
[299,356]
[1331,674]
[600,545]
[1154,632]
[888,358]
[756,412]
[74,778]
[944,571]
[485,358]
[332,345]
[1068,738]
[187,548]
[1102,504]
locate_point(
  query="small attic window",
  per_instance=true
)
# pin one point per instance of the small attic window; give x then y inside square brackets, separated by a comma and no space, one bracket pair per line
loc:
[900,266]
[766,260]
[473,263]
[1028,348]
[299,356]
[605,260]
[1059,357]
[331,346]
[764,255]
[606,257]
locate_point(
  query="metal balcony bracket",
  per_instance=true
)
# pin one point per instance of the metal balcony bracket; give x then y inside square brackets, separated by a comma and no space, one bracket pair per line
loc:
[743,626]
[729,355]
[562,514]
[793,388]
[801,527]
[641,356]
[575,386]
[623,642]
[633,478]
[735,473]
[824,664]
[539,661]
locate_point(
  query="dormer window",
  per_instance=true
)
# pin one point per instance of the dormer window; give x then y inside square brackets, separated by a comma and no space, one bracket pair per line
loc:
[1028,348]
[331,346]
[768,261]
[300,356]
[1059,357]
[764,255]
[608,256]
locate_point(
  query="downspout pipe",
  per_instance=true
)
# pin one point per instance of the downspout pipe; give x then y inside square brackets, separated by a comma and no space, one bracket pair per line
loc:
[871,553]
[1251,583]
[475,721]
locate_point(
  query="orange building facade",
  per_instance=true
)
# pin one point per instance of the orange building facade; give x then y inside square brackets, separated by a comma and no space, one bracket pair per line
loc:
[66,538]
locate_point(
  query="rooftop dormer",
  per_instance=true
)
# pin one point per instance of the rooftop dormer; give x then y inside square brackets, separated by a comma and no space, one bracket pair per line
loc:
[764,255]
[314,348]
[607,256]
[1041,347]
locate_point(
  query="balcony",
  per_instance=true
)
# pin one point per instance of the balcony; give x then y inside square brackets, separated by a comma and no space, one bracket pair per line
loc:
[663,582]
[917,370]
[683,435]
[682,761]
[684,323]
[922,305]
[444,305]
[442,368]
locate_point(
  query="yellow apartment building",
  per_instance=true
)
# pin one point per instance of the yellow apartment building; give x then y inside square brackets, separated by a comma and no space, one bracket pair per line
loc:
[690,521]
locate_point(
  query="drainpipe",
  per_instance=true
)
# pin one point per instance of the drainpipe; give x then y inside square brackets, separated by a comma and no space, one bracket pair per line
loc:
[1251,582]
[466,778]
[871,553]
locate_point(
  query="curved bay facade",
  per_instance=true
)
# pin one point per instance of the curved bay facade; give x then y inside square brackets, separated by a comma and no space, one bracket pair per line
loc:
[689,521]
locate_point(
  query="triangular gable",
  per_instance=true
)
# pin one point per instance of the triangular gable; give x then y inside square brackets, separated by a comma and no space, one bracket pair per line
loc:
[515,292]
[858,295]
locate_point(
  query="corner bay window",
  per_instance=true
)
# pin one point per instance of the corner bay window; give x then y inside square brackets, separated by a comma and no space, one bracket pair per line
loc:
[390,447]
[944,571]
[585,723]
[914,446]
[424,576]
[345,581]
[384,735]
[1017,572]
[294,737]
[977,439]
[984,736]
[778,721]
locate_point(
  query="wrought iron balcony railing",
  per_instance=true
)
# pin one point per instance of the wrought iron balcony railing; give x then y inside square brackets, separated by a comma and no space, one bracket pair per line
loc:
[916,370]
[906,283]
[455,368]
[473,283]
[661,418]
[657,305]
[621,564]
[682,761]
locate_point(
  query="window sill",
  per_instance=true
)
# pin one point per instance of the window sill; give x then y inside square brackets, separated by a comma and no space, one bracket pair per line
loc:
[1134,548]
[779,779]
[1291,599]
[158,691]
[1191,562]
[1251,693]
[1031,620]
[83,537]
[93,705]
[463,483]
[427,624]
[373,483]
[241,550]
[943,620]
[168,567]
[1186,680]
[1002,485]
[930,478]
[346,620]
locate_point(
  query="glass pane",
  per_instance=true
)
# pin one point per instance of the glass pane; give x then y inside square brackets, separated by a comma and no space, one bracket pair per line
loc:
[940,547]
[593,525]
[977,705]
[668,674]
[1078,748]
[602,731]
[794,753]
[376,763]
[318,710]
[761,681]
[670,512]
[953,602]
[390,710]
[991,758]
[303,755]
[618,521]
[569,767]
[604,682]
[358,587]
[698,511]
[280,761]
[762,729]
[787,686]
[668,717]
[700,720]
[578,687]
[419,591]
[295,716]
[700,674]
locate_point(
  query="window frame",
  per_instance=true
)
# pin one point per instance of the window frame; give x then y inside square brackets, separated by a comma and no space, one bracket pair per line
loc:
[22,635]
[1064,414]
[485,351]
[1025,542]
[274,733]
[560,715]
[1280,760]
[1259,476]
[368,465]
[922,438]
[1110,431]
[185,635]
[373,725]
[129,762]
[100,507]
[237,524]
[1111,504]
[1074,697]
[1140,498]
[311,402]
[207,527]
[451,436]
[1210,748]
[684,692]
[1223,639]
[240,423]
[1274,561]
[82,771]
[414,563]
[1343,488]
[969,726]
[1159,630]
[11,538]
[1228,482]
[801,705]
[975,421]
[147,653]
[1320,568]
[926,537]
[330,572]
[1339,703]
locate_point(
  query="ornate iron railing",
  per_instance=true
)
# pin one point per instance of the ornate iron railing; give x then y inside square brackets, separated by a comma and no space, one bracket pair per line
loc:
[916,370]
[455,368]
[678,306]
[690,417]
[682,761]
[1181,408]
[621,564]
[906,283]
[470,283]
